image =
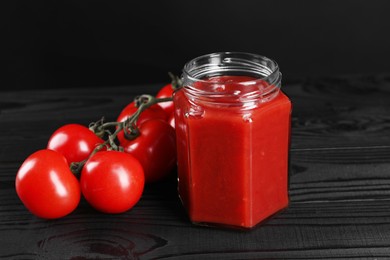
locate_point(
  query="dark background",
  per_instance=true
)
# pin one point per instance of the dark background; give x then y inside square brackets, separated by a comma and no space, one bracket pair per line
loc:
[52,44]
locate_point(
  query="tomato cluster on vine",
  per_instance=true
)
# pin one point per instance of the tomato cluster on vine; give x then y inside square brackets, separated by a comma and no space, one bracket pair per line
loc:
[108,163]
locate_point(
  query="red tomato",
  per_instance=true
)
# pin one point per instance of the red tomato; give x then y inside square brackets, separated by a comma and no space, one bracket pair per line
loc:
[46,186]
[155,148]
[153,112]
[166,91]
[112,182]
[76,142]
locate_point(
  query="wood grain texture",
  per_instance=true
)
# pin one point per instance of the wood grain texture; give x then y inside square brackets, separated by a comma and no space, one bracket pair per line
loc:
[339,183]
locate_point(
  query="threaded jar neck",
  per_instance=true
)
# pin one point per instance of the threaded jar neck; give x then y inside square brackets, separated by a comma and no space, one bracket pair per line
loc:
[263,78]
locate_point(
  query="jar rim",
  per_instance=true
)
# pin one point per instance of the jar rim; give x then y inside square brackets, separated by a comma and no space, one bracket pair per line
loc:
[200,78]
[265,73]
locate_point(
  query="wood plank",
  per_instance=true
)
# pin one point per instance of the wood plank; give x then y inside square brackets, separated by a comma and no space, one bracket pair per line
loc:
[346,112]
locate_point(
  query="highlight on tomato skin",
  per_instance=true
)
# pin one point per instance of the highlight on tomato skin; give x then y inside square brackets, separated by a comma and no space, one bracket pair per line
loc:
[46,186]
[164,92]
[171,121]
[112,181]
[76,142]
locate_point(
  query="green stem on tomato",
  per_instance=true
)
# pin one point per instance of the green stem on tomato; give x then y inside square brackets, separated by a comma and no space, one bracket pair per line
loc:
[76,167]
[128,127]
[176,82]
[96,128]
[143,102]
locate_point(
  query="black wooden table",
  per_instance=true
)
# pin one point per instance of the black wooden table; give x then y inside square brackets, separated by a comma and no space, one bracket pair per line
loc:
[339,184]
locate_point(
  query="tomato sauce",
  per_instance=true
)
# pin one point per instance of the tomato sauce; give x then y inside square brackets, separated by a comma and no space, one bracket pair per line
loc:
[232,159]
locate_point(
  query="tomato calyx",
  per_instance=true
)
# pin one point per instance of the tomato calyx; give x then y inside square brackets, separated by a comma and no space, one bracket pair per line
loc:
[176,82]
[76,167]
[143,102]
[96,128]
[129,128]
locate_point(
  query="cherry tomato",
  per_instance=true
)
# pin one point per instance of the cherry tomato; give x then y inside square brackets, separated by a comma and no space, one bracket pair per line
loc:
[155,148]
[46,186]
[166,91]
[76,142]
[153,112]
[112,182]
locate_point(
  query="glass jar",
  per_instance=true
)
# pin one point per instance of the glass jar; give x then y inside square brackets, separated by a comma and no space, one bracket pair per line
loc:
[233,134]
